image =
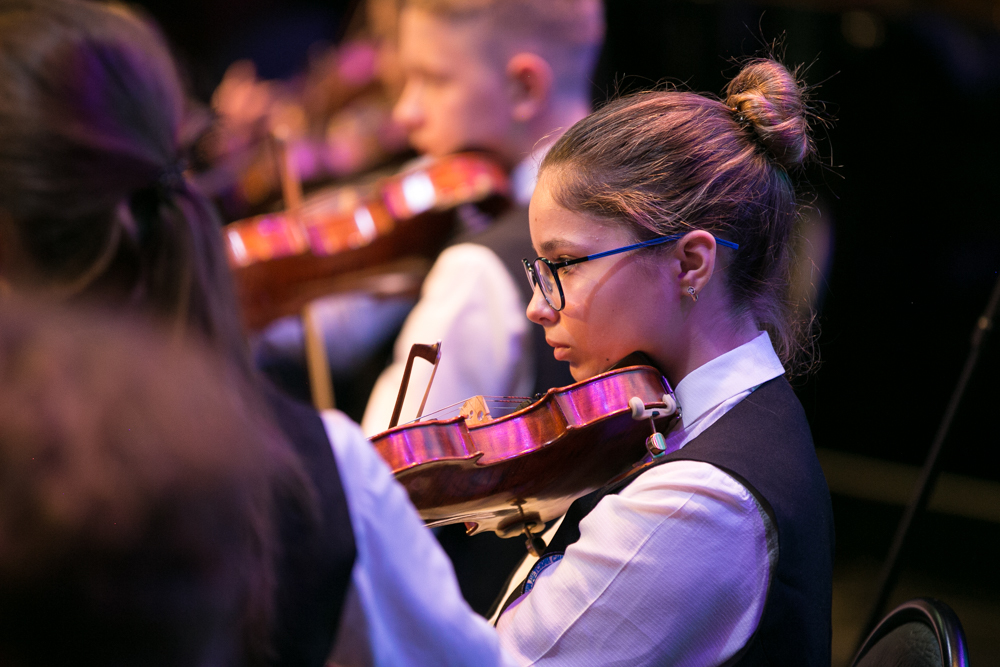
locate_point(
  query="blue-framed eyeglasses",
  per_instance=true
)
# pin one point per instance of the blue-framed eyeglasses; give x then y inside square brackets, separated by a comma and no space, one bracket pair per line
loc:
[544,274]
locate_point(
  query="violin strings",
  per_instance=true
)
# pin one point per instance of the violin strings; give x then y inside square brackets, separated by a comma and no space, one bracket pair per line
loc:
[455,407]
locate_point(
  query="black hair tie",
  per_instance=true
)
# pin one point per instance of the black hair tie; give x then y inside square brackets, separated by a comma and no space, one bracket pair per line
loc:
[145,202]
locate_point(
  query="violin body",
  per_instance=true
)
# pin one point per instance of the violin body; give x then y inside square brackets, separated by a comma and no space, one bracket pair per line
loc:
[281,261]
[515,473]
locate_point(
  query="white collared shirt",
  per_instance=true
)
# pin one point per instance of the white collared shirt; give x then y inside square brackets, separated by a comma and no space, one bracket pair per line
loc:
[403,607]
[672,570]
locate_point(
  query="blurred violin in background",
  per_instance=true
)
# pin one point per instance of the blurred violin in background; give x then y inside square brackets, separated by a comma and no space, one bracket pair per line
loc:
[377,233]
[336,117]
[383,234]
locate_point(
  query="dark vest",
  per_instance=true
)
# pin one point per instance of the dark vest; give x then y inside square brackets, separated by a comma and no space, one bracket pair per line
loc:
[314,565]
[764,443]
[510,239]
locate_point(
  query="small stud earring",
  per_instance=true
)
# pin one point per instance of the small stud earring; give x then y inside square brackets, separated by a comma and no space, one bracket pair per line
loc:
[693,294]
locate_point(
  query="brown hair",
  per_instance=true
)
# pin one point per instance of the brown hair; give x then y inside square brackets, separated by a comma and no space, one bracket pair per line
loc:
[669,162]
[93,203]
[567,33]
[135,499]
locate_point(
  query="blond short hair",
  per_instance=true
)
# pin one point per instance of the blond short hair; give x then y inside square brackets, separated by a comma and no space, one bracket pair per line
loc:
[567,33]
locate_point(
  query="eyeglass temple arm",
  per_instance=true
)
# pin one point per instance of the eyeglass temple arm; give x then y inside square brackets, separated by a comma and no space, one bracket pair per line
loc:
[431,353]
[636,246]
[608,253]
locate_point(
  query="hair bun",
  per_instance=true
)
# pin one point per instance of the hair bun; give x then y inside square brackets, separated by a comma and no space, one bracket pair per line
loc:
[770,100]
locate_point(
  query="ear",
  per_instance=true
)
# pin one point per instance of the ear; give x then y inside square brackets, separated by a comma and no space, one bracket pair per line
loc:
[696,254]
[531,77]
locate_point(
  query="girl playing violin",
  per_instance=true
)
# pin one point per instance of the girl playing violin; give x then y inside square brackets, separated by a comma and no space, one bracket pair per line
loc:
[663,225]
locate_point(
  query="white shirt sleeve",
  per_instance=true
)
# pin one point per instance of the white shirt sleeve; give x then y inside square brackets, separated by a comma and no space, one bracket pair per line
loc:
[673,570]
[404,606]
[470,303]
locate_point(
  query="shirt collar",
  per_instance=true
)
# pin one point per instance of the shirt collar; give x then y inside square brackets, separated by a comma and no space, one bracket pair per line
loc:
[741,369]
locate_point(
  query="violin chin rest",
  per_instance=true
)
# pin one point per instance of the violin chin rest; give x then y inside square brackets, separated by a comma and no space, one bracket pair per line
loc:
[640,411]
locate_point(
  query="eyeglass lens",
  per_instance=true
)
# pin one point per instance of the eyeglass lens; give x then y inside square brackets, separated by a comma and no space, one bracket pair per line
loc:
[548,283]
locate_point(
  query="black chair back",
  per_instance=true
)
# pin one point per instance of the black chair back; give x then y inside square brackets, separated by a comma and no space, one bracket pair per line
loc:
[919,633]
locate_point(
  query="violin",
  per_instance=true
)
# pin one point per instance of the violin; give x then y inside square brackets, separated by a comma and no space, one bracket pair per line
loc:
[514,472]
[338,113]
[331,240]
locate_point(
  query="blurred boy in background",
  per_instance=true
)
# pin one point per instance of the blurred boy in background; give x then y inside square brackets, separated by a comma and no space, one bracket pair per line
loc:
[508,77]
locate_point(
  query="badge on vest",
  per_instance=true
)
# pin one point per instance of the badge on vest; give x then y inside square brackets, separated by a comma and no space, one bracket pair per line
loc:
[543,562]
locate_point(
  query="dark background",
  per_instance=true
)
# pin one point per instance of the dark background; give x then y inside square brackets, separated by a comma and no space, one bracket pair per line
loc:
[911,195]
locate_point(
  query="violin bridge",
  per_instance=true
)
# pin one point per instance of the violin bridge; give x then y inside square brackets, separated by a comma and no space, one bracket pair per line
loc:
[475,411]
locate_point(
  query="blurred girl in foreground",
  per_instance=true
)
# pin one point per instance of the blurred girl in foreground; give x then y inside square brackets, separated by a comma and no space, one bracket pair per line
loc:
[95,208]
[135,510]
